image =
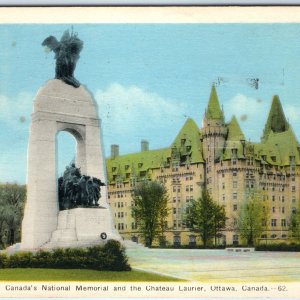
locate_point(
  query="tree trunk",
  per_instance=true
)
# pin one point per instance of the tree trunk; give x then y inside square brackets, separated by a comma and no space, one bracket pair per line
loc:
[11,238]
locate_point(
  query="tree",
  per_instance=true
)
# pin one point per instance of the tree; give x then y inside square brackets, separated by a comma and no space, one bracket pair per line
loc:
[150,210]
[294,225]
[253,217]
[206,217]
[12,199]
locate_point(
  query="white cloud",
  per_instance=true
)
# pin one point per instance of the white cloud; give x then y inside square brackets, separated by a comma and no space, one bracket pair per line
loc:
[15,111]
[241,105]
[292,112]
[251,113]
[132,113]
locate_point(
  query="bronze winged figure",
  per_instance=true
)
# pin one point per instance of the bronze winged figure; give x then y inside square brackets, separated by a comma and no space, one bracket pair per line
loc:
[66,54]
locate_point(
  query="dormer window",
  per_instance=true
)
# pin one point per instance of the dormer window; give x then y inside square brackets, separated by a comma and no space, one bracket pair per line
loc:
[292,160]
[126,167]
[183,142]
[113,169]
[234,151]
[140,165]
[273,158]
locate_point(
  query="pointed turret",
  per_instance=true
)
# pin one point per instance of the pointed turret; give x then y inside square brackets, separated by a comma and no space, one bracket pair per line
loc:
[214,111]
[234,131]
[187,141]
[276,120]
[235,138]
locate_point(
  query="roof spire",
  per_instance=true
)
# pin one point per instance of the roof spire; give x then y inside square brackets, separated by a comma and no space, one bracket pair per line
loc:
[234,130]
[276,120]
[213,109]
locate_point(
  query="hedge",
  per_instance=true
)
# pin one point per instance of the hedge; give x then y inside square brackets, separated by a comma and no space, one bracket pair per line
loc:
[278,247]
[110,257]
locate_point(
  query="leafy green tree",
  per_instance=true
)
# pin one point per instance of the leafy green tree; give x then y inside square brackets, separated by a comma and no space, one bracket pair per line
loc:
[219,220]
[12,199]
[253,215]
[150,210]
[294,224]
[206,217]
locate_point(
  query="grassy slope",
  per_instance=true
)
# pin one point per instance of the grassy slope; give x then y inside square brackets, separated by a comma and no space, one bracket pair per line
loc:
[78,275]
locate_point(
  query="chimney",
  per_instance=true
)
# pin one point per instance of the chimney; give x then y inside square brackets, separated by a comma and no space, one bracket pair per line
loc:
[144,145]
[114,149]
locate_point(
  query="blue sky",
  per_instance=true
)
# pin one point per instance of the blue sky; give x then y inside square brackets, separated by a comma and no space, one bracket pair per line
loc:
[147,79]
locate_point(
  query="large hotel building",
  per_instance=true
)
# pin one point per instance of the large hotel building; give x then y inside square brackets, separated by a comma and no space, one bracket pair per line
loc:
[217,157]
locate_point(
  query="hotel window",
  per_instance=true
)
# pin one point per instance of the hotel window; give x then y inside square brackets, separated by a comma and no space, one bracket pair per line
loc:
[174,189]
[192,198]
[293,210]
[174,210]
[234,196]
[273,209]
[235,238]
[235,207]
[223,197]
[273,222]
[293,199]
[273,198]
[223,185]
[234,184]
[191,188]
[283,222]
[187,199]
[174,224]
[174,199]
[234,173]
[282,198]
[293,188]
[283,210]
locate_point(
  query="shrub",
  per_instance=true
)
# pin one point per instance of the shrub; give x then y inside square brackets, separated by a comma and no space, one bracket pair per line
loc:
[110,257]
[279,247]
[3,260]
[20,259]
[115,258]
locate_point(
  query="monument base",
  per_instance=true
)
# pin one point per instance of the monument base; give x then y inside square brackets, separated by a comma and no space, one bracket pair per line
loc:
[77,227]
[82,227]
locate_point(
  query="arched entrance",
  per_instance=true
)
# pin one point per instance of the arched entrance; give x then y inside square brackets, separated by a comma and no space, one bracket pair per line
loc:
[58,107]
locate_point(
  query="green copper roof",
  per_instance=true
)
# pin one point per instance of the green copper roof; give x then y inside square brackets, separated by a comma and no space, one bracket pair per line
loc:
[188,141]
[276,120]
[187,145]
[213,109]
[233,141]
[234,130]
[278,147]
[126,166]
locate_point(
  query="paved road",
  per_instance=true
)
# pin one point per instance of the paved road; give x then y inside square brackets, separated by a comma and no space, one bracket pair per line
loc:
[218,265]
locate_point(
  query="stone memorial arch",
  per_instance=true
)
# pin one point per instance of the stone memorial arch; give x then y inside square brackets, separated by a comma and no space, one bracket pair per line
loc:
[62,107]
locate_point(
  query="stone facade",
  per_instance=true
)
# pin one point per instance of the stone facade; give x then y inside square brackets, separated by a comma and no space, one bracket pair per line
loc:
[217,157]
[59,107]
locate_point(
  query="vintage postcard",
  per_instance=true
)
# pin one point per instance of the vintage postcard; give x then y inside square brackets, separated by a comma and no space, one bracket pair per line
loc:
[150,152]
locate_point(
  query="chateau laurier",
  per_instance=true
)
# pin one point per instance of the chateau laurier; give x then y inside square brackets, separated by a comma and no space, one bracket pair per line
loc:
[217,157]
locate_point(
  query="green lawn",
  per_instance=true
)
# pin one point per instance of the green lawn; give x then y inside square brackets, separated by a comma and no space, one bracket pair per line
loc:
[78,275]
